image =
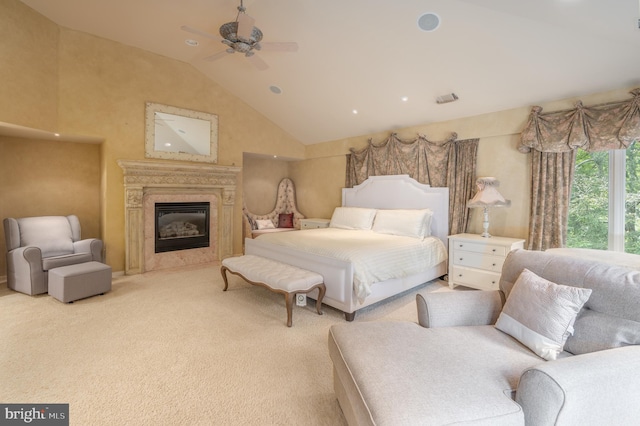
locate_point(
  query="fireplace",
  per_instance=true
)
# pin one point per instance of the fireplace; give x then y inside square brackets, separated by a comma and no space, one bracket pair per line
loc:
[181,226]
[147,182]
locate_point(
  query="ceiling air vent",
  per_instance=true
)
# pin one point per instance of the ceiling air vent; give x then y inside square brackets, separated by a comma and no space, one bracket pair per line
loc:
[449,97]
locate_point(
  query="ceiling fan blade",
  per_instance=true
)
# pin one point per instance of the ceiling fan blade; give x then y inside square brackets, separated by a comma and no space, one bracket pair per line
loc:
[216,56]
[200,33]
[280,46]
[245,26]
[258,62]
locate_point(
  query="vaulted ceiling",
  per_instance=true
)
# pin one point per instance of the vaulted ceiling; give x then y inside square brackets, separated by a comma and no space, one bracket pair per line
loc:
[373,57]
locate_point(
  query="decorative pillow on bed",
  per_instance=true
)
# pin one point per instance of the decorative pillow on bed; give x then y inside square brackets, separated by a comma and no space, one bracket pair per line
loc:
[352,218]
[408,223]
[265,224]
[285,220]
[540,314]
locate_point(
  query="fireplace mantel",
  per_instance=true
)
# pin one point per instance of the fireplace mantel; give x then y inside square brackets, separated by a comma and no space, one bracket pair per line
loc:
[142,177]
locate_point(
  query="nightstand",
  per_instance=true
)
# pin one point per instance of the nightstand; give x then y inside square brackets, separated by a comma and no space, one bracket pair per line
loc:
[314,223]
[476,262]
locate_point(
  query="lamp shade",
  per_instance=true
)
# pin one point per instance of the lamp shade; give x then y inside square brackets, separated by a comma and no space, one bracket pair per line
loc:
[488,195]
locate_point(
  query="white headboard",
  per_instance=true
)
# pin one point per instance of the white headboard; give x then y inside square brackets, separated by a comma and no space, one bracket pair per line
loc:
[402,192]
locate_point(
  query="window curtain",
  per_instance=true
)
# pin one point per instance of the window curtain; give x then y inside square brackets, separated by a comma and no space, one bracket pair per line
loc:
[450,163]
[553,139]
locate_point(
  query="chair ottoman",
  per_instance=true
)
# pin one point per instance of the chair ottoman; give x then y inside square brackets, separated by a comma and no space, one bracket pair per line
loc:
[75,282]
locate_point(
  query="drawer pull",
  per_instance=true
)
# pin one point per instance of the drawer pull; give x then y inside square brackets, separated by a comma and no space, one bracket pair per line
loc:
[459,275]
[493,250]
[493,264]
[461,258]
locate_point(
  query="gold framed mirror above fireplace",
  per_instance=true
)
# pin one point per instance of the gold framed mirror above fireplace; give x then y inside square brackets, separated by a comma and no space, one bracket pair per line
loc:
[173,133]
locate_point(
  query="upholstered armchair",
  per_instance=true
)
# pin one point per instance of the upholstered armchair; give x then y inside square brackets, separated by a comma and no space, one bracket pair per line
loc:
[36,245]
[285,205]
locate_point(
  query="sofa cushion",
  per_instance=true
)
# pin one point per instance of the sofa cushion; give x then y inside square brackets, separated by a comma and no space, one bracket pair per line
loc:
[540,313]
[595,332]
[407,374]
[615,295]
[51,234]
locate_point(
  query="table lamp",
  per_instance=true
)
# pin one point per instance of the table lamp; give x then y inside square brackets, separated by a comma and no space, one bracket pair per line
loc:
[486,197]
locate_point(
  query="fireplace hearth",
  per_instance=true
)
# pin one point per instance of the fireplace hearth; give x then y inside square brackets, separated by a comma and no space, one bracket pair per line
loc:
[181,226]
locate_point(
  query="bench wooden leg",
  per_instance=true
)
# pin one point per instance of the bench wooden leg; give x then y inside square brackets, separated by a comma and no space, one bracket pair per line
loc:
[321,291]
[223,271]
[288,299]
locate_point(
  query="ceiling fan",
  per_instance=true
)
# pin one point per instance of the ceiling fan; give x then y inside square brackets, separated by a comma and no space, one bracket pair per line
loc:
[242,37]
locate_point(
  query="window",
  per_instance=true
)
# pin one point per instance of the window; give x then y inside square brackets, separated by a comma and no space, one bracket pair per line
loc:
[604,211]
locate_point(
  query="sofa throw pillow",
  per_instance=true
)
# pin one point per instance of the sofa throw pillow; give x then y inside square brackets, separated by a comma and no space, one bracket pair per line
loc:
[540,314]
[285,220]
[265,224]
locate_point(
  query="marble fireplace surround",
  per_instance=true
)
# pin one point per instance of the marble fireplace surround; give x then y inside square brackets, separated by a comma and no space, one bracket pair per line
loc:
[146,181]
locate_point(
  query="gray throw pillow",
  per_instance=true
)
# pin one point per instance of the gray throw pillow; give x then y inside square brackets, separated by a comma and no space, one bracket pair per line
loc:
[540,314]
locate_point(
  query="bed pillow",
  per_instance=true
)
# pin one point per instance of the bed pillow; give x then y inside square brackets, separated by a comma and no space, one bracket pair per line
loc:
[352,218]
[409,223]
[265,224]
[540,314]
[285,220]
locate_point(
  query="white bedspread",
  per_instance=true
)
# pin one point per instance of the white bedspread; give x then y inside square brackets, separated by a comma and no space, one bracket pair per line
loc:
[375,257]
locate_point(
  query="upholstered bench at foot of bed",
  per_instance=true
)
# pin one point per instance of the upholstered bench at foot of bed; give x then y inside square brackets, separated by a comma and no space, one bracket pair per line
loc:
[277,277]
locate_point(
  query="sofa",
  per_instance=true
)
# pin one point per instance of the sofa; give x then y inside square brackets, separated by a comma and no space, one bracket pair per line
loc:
[574,360]
[36,245]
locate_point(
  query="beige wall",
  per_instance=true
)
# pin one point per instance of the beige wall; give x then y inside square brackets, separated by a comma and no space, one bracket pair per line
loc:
[41,178]
[29,70]
[79,84]
[260,179]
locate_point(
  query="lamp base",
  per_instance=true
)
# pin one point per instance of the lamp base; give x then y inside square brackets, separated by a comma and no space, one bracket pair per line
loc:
[485,224]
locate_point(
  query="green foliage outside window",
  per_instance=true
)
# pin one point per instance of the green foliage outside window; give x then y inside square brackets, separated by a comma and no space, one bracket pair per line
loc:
[588,225]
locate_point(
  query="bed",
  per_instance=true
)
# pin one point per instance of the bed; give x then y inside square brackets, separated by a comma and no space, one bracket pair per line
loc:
[347,290]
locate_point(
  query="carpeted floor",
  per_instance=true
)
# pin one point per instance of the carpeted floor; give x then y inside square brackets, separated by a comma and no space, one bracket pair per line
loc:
[171,348]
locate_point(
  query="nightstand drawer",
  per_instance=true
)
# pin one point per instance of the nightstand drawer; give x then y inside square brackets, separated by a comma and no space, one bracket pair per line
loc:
[475,278]
[498,250]
[314,223]
[478,260]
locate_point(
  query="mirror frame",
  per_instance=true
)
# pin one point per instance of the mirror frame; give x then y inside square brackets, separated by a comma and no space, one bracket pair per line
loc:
[150,152]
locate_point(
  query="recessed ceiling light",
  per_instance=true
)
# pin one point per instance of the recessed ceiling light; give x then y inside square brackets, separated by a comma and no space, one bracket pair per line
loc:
[429,22]
[167,144]
[191,42]
[404,98]
[275,89]
[355,111]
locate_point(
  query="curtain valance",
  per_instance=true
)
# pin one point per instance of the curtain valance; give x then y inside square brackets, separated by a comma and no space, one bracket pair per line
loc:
[614,125]
[450,163]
